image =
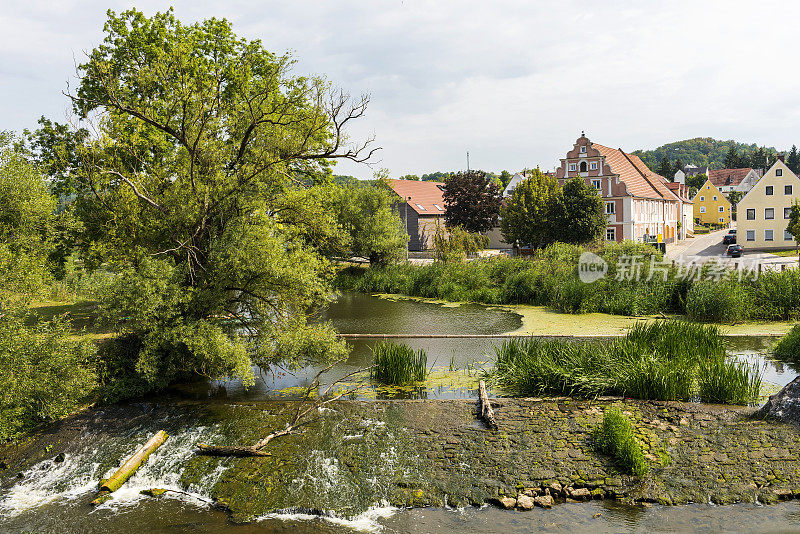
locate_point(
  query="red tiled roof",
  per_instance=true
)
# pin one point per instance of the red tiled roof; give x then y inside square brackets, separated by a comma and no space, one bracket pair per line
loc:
[680,190]
[721,177]
[640,180]
[426,197]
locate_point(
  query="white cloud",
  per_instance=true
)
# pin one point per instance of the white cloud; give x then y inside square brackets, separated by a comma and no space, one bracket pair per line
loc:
[512,82]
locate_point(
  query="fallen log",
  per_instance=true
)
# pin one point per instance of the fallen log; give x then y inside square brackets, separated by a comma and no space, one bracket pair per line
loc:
[115,481]
[240,452]
[486,412]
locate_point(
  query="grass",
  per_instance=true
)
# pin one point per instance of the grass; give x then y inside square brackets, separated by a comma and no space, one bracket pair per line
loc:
[398,365]
[790,253]
[662,360]
[615,437]
[788,348]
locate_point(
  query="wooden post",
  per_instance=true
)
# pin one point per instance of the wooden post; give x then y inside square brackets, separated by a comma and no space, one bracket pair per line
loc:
[487,414]
[115,481]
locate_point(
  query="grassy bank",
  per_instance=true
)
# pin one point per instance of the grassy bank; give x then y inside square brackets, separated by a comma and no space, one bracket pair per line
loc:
[665,360]
[550,278]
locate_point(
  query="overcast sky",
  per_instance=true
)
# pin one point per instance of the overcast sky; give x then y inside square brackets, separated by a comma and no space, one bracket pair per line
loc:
[512,82]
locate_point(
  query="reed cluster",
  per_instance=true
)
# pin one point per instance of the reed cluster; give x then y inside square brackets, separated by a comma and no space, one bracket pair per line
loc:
[662,360]
[615,437]
[398,365]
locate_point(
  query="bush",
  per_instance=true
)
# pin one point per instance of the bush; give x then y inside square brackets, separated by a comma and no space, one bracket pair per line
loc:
[398,364]
[788,348]
[615,437]
[44,374]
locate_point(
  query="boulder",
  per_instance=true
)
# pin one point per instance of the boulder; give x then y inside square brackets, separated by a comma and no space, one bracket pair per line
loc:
[524,502]
[784,405]
[508,502]
[581,494]
[555,488]
[545,501]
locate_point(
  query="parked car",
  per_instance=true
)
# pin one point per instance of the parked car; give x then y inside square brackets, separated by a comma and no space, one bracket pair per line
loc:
[729,238]
[734,251]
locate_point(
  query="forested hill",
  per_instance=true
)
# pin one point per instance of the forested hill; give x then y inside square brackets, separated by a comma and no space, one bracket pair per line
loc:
[704,152]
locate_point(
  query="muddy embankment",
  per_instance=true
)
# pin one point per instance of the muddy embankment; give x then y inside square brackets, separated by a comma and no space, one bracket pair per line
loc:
[429,453]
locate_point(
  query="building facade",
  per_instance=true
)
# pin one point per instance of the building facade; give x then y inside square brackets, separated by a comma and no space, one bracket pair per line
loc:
[730,180]
[421,207]
[711,206]
[639,205]
[763,213]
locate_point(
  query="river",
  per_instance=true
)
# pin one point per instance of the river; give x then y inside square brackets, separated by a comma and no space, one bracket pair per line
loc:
[54,496]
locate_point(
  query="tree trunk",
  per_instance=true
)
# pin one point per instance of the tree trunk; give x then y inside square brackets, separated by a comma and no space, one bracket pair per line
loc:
[115,481]
[211,450]
[487,414]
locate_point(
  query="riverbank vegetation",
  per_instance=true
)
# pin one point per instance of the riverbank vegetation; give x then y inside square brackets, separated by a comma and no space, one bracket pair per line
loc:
[615,437]
[398,365]
[664,360]
[638,281]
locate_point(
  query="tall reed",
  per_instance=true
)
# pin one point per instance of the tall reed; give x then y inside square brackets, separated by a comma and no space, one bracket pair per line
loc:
[398,365]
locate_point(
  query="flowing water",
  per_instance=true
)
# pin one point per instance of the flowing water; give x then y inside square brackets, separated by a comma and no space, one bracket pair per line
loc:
[54,496]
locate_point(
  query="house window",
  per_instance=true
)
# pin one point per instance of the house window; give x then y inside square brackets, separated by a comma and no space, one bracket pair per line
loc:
[751,214]
[751,235]
[778,172]
[769,213]
[787,212]
[596,184]
[572,166]
[593,166]
[721,219]
[611,234]
[768,235]
[787,189]
[610,208]
[583,150]
[420,206]
[715,198]
[702,209]
[787,236]
[702,199]
[769,189]
[722,209]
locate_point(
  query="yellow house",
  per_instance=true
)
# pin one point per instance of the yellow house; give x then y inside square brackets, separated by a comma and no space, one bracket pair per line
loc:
[711,206]
[763,213]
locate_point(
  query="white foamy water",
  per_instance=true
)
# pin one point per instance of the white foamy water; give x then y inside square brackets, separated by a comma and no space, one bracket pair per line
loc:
[79,474]
[367,521]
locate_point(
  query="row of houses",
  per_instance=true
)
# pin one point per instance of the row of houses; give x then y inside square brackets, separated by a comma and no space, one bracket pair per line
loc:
[640,205]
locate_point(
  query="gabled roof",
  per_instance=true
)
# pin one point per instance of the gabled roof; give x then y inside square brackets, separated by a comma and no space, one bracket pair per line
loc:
[723,177]
[700,192]
[680,190]
[639,179]
[426,197]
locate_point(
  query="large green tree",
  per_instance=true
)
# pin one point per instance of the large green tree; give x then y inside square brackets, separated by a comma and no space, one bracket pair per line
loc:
[528,217]
[191,191]
[579,213]
[665,169]
[472,201]
[793,160]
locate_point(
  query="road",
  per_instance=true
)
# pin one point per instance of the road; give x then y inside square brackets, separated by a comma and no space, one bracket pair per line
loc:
[705,247]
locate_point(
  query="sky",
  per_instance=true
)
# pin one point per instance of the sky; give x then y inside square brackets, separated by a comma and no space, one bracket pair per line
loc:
[512,82]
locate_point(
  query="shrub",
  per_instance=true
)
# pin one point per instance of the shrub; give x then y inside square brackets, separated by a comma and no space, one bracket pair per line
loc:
[615,437]
[788,348]
[397,364]
[44,374]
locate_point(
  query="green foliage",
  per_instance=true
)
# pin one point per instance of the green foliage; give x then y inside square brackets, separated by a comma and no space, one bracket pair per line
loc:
[665,169]
[663,360]
[793,226]
[716,302]
[456,244]
[472,201]
[580,213]
[398,364]
[788,348]
[44,375]
[793,160]
[707,152]
[529,215]
[615,437]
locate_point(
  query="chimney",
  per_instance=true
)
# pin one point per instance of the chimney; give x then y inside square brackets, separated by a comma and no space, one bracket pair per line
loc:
[780,157]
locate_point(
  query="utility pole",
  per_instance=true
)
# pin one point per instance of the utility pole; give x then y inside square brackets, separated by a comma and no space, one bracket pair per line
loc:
[467,160]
